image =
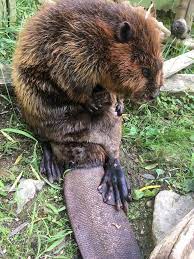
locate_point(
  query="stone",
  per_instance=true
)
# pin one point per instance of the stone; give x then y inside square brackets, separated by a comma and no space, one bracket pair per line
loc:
[26,191]
[148,177]
[169,209]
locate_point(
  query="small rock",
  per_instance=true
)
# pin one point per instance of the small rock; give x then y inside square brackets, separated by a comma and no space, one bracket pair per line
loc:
[150,204]
[148,177]
[169,209]
[26,191]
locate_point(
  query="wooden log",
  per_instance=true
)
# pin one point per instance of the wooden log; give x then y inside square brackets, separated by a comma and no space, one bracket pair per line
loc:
[179,83]
[3,12]
[178,244]
[174,65]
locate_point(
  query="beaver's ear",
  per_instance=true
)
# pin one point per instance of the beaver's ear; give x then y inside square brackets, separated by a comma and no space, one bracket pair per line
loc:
[125,32]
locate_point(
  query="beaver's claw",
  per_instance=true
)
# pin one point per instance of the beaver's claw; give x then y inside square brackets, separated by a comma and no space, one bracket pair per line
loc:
[49,165]
[114,187]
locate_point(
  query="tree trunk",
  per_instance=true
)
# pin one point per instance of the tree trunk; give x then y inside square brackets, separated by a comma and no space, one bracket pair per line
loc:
[7,12]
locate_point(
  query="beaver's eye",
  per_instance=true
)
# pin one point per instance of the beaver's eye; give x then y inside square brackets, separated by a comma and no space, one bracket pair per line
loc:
[146,72]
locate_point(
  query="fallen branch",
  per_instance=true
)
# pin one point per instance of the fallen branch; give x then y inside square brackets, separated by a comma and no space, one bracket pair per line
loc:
[174,65]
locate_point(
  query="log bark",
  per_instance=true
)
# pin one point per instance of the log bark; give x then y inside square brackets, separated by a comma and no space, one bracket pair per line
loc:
[180,243]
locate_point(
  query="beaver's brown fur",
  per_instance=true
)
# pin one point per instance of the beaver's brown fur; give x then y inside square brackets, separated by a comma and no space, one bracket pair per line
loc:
[69,48]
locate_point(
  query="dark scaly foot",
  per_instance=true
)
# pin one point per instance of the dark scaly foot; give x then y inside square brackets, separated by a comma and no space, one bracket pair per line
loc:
[114,187]
[49,165]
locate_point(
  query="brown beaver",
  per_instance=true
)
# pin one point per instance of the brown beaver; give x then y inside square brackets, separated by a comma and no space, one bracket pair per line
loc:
[71,60]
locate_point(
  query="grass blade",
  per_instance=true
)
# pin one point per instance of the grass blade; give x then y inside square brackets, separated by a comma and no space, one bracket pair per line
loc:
[19,132]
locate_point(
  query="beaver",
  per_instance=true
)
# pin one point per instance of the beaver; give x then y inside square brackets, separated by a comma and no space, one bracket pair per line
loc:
[72,60]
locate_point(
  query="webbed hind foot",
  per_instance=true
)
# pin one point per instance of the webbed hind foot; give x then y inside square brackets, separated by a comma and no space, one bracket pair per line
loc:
[114,187]
[49,165]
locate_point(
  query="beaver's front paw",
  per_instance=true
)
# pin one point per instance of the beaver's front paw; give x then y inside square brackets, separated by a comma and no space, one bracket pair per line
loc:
[119,107]
[99,102]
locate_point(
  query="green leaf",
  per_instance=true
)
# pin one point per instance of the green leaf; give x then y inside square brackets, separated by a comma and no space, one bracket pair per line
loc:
[137,194]
[150,193]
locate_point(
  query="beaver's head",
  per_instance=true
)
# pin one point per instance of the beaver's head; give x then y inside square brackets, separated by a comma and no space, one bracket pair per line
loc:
[136,60]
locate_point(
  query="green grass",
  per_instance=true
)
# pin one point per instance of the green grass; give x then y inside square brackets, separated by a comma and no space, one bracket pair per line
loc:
[159,135]
[8,35]
[163,136]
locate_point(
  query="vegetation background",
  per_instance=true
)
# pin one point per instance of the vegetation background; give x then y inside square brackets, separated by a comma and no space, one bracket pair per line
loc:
[157,152]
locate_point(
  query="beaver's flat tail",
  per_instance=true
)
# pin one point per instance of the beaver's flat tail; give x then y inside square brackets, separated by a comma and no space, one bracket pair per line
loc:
[101,232]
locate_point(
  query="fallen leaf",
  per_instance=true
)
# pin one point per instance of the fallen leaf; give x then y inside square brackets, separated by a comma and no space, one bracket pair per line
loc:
[149,167]
[149,187]
[18,159]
